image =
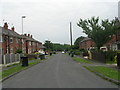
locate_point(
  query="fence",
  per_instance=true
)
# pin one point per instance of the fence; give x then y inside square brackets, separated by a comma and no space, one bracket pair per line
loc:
[99,57]
[9,58]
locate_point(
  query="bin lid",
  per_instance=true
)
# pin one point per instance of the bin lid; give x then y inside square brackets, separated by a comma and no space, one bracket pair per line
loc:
[23,57]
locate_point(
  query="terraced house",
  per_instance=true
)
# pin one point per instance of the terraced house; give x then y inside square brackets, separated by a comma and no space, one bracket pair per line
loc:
[30,45]
[11,41]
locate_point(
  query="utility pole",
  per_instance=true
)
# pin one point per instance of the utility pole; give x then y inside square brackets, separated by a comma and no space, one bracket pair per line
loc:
[71,33]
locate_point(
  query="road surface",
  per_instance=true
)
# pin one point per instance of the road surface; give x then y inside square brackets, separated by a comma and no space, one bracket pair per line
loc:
[59,71]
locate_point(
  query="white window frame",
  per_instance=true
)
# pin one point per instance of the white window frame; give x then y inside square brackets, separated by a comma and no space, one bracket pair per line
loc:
[1,50]
[1,38]
[17,40]
[11,50]
[11,38]
[30,43]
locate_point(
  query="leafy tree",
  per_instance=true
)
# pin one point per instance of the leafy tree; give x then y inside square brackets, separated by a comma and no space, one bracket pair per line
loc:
[99,32]
[77,41]
[48,45]
[60,47]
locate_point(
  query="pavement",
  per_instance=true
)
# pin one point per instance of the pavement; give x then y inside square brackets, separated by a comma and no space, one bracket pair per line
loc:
[97,63]
[4,67]
[58,71]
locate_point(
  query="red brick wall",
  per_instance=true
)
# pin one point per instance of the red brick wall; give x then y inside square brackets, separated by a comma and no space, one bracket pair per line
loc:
[87,44]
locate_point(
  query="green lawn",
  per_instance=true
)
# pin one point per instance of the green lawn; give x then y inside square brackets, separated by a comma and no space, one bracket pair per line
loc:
[81,60]
[17,68]
[106,71]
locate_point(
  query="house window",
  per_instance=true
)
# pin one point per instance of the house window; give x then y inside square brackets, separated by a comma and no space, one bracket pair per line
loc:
[11,40]
[17,40]
[30,43]
[1,50]
[23,41]
[1,39]
[11,50]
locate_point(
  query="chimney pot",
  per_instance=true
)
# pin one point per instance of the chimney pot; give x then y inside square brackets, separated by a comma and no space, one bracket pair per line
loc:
[13,29]
[6,25]
[25,34]
[28,35]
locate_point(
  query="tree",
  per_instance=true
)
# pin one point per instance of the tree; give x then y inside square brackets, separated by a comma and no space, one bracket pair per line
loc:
[77,41]
[48,45]
[99,32]
[60,47]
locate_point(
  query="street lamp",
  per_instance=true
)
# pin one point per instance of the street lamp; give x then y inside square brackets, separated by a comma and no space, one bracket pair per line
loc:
[22,30]
[22,23]
[71,33]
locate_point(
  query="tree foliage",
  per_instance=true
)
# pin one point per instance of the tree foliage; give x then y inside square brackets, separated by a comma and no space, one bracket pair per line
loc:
[99,32]
[60,47]
[56,46]
[48,45]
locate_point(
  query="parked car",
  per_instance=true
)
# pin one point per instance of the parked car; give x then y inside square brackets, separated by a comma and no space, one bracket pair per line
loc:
[63,52]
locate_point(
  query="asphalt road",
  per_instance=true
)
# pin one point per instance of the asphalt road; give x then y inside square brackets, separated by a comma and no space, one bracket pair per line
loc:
[59,71]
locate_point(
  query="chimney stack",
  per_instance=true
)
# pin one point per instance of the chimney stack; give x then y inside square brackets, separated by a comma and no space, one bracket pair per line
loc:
[25,34]
[6,25]
[31,36]
[28,35]
[13,29]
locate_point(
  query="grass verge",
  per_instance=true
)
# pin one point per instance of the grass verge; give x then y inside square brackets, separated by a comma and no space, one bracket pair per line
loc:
[17,68]
[105,71]
[81,60]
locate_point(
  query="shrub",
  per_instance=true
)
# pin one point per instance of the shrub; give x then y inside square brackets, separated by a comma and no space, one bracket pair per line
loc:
[111,56]
[77,53]
[82,50]
[18,51]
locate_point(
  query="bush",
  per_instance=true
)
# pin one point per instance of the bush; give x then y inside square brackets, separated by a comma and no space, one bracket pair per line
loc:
[18,51]
[77,53]
[82,50]
[111,56]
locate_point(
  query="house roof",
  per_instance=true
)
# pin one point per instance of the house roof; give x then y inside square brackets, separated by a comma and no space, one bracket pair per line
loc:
[42,46]
[15,34]
[9,32]
[29,38]
[86,39]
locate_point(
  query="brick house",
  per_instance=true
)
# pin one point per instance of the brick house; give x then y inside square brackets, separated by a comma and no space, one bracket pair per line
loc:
[113,44]
[86,43]
[30,45]
[11,41]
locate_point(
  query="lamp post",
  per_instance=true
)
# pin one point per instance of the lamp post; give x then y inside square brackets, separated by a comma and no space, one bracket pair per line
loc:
[22,30]
[71,33]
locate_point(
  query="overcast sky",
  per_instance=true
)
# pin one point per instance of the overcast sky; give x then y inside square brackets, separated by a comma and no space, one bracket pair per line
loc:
[49,19]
